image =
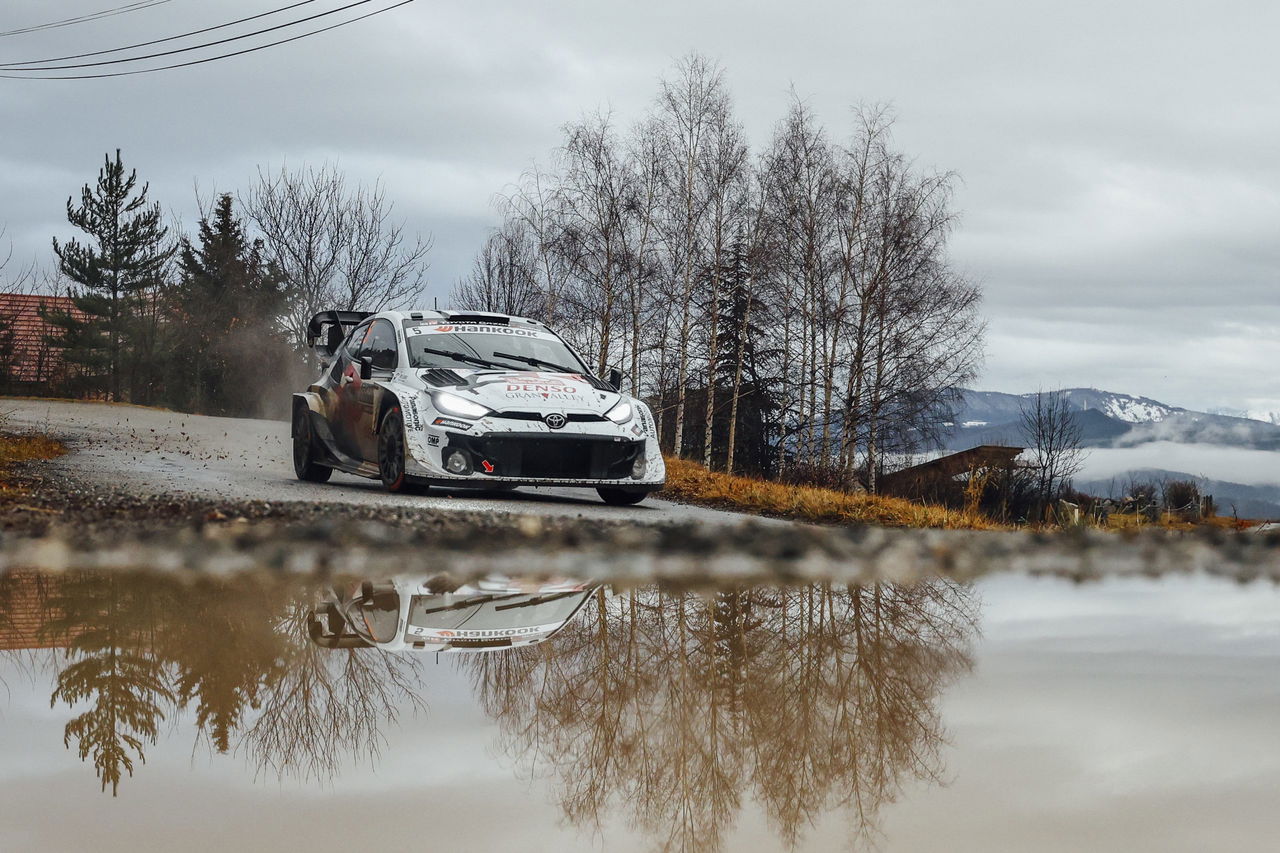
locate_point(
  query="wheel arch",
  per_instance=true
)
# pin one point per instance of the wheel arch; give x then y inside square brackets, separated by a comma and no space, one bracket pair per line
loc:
[309,400]
[387,400]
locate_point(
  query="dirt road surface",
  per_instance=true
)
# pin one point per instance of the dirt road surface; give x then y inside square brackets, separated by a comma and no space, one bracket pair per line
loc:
[155,452]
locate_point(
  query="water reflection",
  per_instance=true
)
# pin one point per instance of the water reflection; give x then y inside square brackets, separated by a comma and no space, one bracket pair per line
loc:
[680,708]
[675,709]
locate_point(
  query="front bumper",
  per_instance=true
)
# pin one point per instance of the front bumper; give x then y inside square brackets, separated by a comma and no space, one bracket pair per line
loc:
[544,456]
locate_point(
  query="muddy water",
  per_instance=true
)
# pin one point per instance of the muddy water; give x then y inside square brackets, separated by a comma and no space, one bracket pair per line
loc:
[144,712]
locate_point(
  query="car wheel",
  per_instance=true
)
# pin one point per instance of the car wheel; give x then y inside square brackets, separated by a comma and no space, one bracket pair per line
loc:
[391,452]
[621,497]
[304,449]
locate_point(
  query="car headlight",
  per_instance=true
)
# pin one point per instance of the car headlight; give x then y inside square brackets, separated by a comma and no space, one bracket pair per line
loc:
[462,407]
[621,413]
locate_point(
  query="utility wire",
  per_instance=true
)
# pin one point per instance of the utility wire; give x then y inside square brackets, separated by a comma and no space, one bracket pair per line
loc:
[207,59]
[195,46]
[156,41]
[84,19]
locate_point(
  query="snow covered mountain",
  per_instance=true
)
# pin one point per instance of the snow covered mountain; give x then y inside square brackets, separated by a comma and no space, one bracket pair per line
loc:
[989,408]
[1108,419]
[1234,458]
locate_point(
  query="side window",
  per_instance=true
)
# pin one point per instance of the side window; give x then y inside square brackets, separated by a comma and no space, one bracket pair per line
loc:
[355,343]
[380,346]
[347,352]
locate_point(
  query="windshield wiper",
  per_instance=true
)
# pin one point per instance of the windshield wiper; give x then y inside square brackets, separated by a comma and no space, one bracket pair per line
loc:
[466,602]
[542,599]
[538,362]
[464,358]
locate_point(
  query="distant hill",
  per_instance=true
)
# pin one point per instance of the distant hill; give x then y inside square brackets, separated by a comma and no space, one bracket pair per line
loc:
[1107,419]
[1246,501]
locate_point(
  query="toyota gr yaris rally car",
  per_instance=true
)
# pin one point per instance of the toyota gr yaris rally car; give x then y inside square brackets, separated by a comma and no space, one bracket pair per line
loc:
[413,614]
[420,398]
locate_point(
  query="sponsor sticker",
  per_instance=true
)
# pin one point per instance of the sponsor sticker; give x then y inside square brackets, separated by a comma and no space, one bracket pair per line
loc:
[413,420]
[507,331]
[479,634]
[451,423]
[433,440]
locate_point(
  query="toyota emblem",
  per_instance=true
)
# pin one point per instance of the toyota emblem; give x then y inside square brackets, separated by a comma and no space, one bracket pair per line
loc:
[555,420]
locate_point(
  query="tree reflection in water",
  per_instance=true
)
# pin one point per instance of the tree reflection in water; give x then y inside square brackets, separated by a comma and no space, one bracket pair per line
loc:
[674,707]
[138,647]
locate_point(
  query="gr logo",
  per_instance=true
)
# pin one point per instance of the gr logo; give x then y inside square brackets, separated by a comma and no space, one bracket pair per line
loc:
[555,420]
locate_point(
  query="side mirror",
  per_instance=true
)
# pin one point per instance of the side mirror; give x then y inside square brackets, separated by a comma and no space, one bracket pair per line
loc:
[615,378]
[366,367]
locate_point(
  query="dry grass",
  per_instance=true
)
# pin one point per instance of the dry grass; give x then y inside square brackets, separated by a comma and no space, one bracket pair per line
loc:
[1170,521]
[24,448]
[690,482]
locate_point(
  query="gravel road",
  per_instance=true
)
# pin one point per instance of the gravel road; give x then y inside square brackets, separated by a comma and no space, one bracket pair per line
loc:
[153,452]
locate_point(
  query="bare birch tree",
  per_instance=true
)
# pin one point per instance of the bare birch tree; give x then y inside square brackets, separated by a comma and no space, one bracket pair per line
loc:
[337,246]
[1055,436]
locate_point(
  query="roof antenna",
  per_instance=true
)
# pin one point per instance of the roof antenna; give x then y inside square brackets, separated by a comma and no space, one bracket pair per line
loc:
[435,303]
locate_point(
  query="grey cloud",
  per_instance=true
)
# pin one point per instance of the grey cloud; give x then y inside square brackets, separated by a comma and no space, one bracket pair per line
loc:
[1116,157]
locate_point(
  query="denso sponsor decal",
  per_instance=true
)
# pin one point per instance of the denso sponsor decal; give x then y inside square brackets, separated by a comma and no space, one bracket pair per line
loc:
[543,386]
[480,634]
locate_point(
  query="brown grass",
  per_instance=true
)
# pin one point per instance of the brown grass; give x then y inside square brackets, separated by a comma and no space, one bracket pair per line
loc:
[691,483]
[1170,521]
[24,448]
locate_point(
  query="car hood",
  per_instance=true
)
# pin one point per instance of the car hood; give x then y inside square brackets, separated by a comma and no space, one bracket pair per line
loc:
[523,390]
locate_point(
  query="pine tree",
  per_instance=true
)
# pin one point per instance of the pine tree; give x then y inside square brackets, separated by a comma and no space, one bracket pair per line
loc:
[226,309]
[125,257]
[114,677]
[746,369]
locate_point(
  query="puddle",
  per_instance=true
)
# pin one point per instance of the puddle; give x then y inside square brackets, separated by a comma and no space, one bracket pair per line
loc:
[159,710]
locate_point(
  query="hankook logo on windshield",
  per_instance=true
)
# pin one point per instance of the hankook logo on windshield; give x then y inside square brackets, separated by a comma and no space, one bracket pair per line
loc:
[555,420]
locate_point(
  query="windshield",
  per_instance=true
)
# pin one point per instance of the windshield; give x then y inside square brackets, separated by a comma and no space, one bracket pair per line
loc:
[498,347]
[500,616]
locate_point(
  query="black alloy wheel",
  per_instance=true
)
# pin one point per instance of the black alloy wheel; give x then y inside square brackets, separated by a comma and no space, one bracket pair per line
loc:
[391,452]
[304,449]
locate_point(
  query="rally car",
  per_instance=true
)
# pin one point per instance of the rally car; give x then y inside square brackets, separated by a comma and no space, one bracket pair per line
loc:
[420,614]
[422,398]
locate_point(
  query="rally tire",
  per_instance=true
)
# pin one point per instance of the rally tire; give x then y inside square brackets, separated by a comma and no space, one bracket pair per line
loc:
[304,449]
[621,497]
[391,453]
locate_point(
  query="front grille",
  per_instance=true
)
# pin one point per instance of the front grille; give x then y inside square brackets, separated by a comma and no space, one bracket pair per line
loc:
[572,417]
[550,457]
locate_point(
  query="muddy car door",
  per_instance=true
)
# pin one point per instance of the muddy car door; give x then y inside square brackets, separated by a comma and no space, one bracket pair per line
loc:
[379,348]
[344,412]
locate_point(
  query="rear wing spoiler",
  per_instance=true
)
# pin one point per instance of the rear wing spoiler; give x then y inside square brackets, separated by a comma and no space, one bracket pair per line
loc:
[327,330]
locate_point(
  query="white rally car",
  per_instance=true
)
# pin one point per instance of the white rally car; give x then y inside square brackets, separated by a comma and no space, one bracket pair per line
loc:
[420,398]
[412,613]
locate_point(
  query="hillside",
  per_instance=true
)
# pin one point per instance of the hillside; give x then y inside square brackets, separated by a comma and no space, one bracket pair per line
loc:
[1108,419]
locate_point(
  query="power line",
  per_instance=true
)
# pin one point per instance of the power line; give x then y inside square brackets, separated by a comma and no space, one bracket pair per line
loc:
[207,59]
[84,19]
[227,40]
[157,41]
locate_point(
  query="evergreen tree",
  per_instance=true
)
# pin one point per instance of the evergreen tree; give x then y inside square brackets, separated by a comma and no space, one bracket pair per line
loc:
[114,677]
[124,258]
[227,308]
[747,369]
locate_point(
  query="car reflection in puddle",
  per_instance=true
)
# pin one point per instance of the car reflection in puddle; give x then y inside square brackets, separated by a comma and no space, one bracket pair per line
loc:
[675,710]
[418,614]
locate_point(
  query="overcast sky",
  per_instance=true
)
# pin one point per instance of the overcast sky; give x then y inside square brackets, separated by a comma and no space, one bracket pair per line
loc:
[1121,176]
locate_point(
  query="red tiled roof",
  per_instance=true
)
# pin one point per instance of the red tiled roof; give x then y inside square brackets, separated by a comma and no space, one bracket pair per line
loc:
[31,357]
[24,612]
